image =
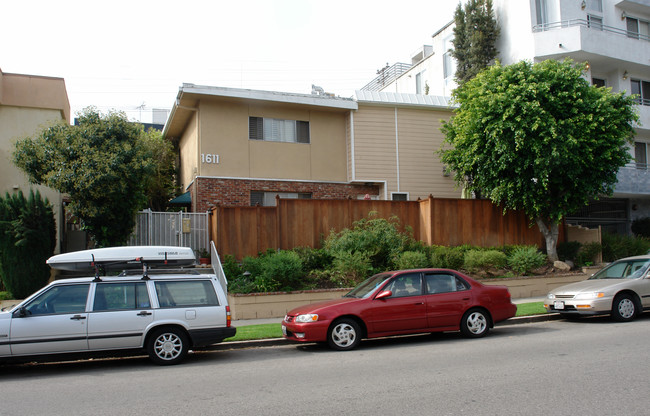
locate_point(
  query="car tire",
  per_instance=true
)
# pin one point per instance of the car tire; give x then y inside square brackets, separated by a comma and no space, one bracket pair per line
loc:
[475,323]
[167,346]
[344,335]
[624,308]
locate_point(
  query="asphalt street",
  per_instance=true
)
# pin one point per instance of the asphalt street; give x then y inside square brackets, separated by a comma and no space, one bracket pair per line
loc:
[593,366]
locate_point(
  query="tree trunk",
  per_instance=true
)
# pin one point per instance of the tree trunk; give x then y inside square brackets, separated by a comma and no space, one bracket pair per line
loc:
[551,233]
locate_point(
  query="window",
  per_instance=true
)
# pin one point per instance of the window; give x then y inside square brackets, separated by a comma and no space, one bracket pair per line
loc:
[641,155]
[398,196]
[419,83]
[277,130]
[595,5]
[405,285]
[595,22]
[444,283]
[540,12]
[598,82]
[60,299]
[642,90]
[187,293]
[267,199]
[637,29]
[119,296]
[448,61]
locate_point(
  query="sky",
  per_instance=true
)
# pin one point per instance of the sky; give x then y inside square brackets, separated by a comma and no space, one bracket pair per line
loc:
[133,56]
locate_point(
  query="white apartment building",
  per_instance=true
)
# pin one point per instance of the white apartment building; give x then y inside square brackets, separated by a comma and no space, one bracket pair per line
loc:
[612,36]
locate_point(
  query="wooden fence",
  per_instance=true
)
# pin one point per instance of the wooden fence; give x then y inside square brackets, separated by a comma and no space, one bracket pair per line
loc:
[243,231]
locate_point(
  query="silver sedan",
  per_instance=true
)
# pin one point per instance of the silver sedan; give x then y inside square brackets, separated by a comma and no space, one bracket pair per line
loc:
[622,289]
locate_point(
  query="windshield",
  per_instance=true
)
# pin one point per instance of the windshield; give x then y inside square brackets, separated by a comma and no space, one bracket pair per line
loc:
[368,286]
[624,269]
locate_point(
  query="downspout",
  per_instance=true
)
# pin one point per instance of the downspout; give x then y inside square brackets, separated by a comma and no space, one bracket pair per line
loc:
[352,155]
[397,150]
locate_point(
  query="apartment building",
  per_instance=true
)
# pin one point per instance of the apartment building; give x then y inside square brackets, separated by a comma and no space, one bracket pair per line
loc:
[27,104]
[611,36]
[243,147]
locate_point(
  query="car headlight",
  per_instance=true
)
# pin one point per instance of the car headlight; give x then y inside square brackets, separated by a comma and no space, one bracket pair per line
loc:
[551,296]
[589,295]
[309,317]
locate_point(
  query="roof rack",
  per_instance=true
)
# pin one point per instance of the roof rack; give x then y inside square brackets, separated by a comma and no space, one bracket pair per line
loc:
[134,272]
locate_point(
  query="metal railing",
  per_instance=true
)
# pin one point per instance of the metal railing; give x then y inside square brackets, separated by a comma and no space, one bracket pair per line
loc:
[592,25]
[179,229]
[386,75]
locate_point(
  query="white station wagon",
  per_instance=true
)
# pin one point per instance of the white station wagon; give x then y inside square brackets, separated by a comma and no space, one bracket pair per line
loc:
[165,312]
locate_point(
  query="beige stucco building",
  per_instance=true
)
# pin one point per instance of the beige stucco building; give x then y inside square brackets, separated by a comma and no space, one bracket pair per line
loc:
[27,104]
[245,147]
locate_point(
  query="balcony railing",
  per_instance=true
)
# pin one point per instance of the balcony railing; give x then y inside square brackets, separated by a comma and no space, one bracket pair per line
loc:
[633,178]
[592,25]
[386,75]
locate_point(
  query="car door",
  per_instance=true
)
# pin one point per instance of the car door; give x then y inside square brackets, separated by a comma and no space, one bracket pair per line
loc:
[121,311]
[447,297]
[403,311]
[54,321]
[640,271]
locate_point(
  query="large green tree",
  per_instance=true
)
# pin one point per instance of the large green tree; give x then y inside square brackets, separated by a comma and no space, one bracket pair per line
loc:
[160,186]
[103,163]
[538,138]
[475,35]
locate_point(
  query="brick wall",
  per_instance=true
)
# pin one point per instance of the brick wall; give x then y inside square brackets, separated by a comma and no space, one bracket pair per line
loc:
[209,192]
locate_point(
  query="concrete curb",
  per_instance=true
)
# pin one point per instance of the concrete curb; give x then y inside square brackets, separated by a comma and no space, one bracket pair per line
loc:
[276,342]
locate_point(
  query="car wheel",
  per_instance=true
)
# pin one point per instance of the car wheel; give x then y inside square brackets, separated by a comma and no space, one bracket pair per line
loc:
[167,346]
[344,335]
[475,323]
[624,308]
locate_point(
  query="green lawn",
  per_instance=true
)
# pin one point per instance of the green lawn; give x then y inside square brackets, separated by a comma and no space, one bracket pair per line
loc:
[263,331]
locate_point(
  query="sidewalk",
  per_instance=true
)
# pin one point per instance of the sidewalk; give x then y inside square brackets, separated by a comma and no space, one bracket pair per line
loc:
[245,322]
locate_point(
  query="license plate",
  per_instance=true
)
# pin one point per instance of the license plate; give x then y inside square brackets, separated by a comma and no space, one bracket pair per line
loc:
[284,330]
[559,305]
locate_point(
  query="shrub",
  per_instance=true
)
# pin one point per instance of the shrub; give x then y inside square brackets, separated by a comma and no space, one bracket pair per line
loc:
[4,295]
[641,227]
[412,260]
[281,270]
[587,254]
[314,258]
[231,267]
[379,238]
[484,259]
[27,231]
[525,259]
[568,250]
[616,246]
[448,257]
[352,267]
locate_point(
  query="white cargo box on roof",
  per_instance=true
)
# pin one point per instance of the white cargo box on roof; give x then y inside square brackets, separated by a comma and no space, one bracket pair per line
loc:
[120,258]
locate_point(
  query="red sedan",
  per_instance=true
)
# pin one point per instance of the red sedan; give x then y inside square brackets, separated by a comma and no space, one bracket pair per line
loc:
[402,302]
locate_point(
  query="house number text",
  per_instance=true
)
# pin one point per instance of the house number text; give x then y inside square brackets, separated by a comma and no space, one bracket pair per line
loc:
[209,158]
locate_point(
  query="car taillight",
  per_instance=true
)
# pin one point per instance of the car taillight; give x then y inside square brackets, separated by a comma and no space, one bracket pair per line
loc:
[228,317]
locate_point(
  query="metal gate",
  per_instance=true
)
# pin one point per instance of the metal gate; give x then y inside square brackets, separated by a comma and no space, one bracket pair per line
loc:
[179,229]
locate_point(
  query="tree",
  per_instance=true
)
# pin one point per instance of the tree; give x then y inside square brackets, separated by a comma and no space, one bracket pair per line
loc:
[160,187]
[475,34]
[103,164]
[27,240]
[538,138]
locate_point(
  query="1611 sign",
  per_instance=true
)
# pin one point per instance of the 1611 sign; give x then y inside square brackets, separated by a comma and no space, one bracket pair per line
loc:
[209,158]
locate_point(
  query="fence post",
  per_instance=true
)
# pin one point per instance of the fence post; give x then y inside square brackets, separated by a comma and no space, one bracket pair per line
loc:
[149,226]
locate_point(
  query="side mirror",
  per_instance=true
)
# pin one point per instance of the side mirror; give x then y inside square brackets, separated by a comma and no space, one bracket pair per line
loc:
[21,313]
[384,294]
